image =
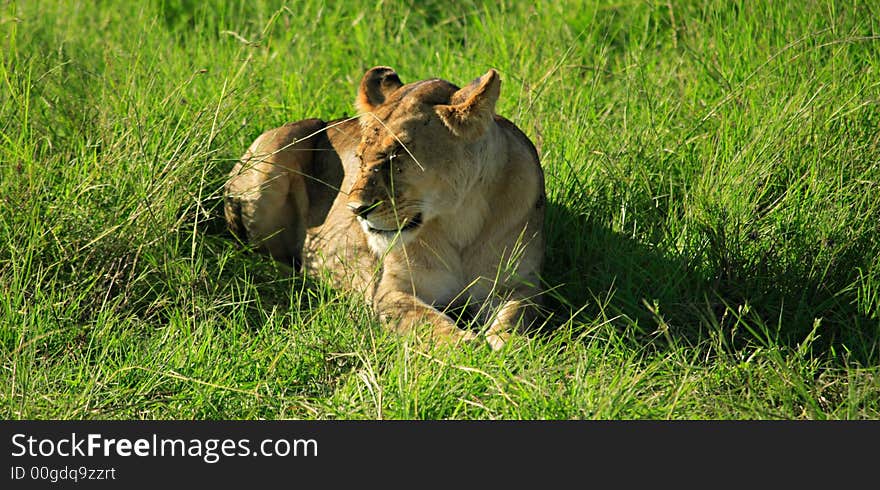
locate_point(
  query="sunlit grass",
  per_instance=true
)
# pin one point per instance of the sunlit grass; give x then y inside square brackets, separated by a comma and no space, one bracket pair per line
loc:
[713,176]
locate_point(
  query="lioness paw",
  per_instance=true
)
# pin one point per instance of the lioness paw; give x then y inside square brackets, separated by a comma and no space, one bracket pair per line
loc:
[497,340]
[448,334]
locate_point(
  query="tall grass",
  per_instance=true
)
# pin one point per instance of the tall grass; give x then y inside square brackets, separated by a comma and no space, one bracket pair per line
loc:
[713,223]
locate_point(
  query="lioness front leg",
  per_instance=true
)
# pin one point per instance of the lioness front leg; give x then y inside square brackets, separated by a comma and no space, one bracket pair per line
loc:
[517,313]
[404,312]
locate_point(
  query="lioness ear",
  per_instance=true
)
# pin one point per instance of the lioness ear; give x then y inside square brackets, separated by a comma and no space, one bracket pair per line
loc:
[376,86]
[473,107]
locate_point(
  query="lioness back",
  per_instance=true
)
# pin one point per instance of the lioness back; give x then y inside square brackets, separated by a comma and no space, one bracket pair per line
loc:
[427,201]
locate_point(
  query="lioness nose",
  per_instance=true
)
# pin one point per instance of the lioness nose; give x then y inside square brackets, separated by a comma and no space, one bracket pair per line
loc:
[361,209]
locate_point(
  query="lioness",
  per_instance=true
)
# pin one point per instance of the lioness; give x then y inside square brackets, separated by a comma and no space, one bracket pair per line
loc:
[426,202]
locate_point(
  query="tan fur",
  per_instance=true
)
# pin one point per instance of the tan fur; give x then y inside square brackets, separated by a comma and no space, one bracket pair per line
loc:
[427,201]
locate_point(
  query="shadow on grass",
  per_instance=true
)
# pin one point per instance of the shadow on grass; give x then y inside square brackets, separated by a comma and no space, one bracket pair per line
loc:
[601,273]
[595,272]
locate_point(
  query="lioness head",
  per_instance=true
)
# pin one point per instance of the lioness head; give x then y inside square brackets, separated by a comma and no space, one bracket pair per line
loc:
[421,151]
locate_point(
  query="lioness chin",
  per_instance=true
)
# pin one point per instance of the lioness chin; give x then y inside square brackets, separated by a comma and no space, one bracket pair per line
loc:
[427,201]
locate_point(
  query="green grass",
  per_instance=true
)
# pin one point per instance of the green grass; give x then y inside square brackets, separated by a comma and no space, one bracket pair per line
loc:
[713,173]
